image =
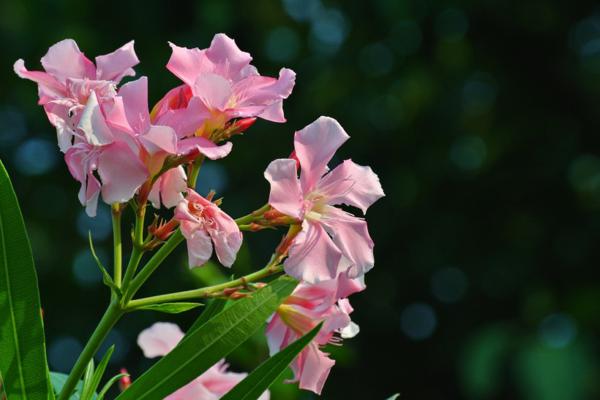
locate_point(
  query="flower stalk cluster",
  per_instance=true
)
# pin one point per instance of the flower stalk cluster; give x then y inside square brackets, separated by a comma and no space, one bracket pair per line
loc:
[138,159]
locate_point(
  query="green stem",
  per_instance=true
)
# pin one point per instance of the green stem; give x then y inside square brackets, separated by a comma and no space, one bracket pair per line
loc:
[193,175]
[117,245]
[246,219]
[205,291]
[152,264]
[138,245]
[111,316]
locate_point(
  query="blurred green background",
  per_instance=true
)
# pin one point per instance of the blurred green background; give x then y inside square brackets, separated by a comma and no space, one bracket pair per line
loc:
[481,119]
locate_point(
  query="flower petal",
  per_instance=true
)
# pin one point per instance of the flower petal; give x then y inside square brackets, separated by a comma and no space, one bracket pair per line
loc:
[48,86]
[229,60]
[205,146]
[121,172]
[313,257]
[93,125]
[286,194]
[315,145]
[315,369]
[199,245]
[226,236]
[129,111]
[214,90]
[159,138]
[64,60]
[159,339]
[114,66]
[169,188]
[351,184]
[187,64]
[351,236]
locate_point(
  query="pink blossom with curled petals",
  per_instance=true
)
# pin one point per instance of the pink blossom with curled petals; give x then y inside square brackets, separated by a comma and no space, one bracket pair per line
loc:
[332,241]
[220,85]
[128,113]
[69,78]
[162,337]
[103,161]
[309,305]
[204,224]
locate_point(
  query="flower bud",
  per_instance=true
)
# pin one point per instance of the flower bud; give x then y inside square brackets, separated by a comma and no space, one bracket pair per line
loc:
[125,380]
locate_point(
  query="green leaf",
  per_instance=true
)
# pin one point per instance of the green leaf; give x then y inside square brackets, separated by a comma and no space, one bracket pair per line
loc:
[106,278]
[91,385]
[87,390]
[202,348]
[269,371]
[58,381]
[23,362]
[109,384]
[214,307]
[394,397]
[171,308]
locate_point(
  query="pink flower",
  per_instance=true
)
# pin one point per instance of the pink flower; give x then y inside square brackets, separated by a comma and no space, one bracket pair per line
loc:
[309,305]
[203,223]
[331,241]
[99,150]
[128,113]
[69,79]
[162,337]
[221,84]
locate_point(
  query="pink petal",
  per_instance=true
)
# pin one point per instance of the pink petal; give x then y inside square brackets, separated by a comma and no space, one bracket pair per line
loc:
[129,111]
[278,334]
[351,236]
[214,90]
[187,64]
[93,125]
[226,236]
[48,86]
[315,369]
[193,390]
[159,138]
[58,116]
[114,66]
[348,286]
[169,188]
[199,246]
[159,339]
[205,146]
[64,60]
[315,145]
[286,194]
[186,121]
[121,172]
[262,96]
[229,60]
[313,257]
[351,184]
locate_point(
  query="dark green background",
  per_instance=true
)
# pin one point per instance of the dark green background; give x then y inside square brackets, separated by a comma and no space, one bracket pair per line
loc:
[481,119]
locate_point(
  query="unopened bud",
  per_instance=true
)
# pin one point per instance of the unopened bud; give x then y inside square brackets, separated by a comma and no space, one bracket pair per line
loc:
[241,125]
[125,380]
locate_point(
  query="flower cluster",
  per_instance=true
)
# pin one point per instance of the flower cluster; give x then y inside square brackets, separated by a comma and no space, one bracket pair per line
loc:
[119,149]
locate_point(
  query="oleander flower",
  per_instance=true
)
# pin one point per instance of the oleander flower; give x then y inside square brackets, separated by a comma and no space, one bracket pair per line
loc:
[162,337]
[220,84]
[102,153]
[203,224]
[128,113]
[309,305]
[69,78]
[332,240]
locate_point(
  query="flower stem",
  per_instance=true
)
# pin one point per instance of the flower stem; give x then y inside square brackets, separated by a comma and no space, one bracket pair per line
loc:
[138,245]
[152,264]
[193,175]
[246,219]
[111,316]
[205,291]
[117,245]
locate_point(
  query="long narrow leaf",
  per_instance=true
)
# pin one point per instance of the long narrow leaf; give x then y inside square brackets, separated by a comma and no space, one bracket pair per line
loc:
[205,346]
[22,348]
[214,307]
[269,371]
